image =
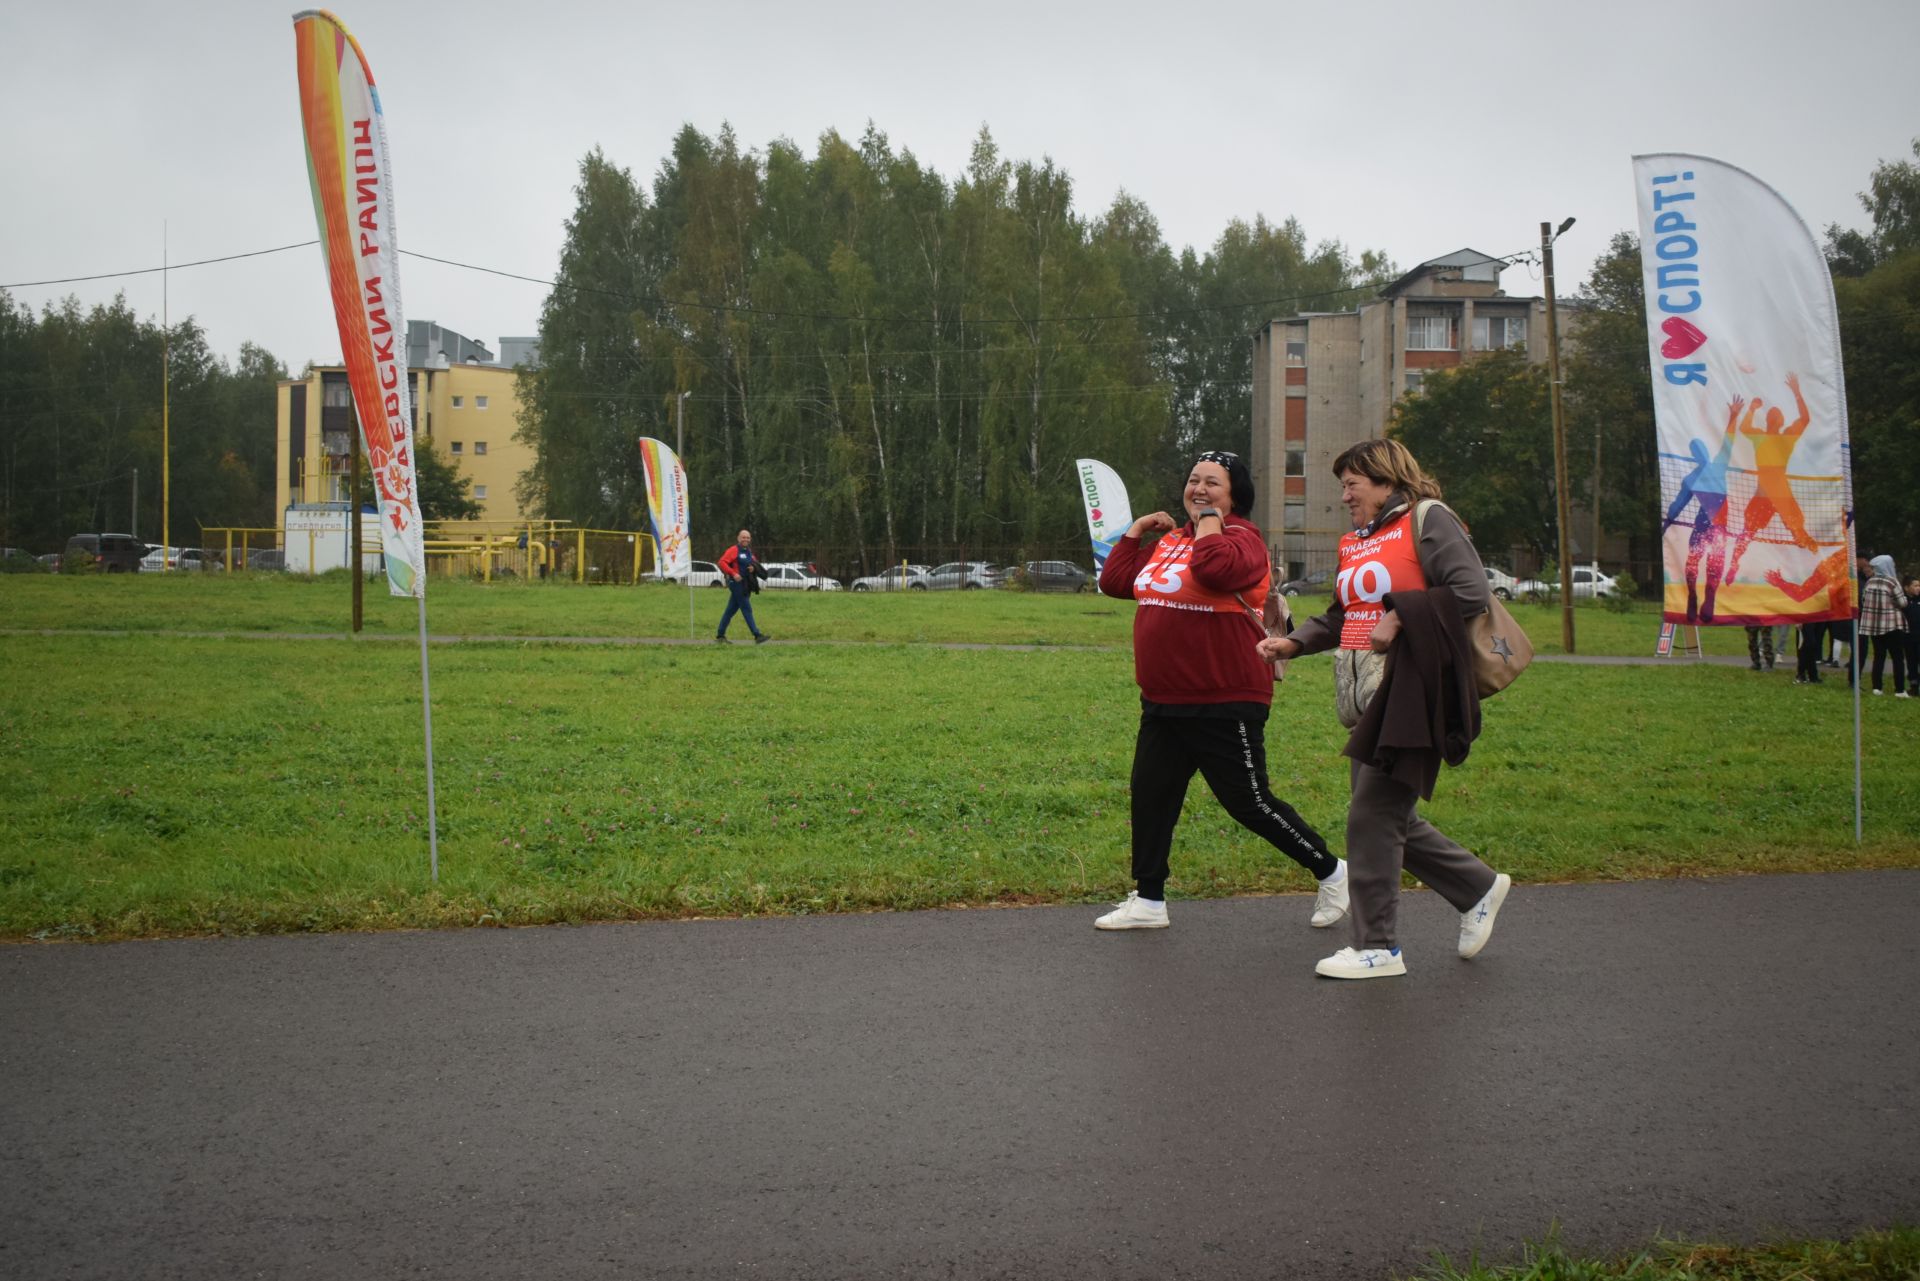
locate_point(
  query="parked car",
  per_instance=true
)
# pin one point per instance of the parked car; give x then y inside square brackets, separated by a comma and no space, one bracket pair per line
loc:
[112,553]
[1588,582]
[50,561]
[1056,576]
[1500,583]
[17,560]
[894,579]
[1320,580]
[186,559]
[970,575]
[794,576]
[270,558]
[703,573]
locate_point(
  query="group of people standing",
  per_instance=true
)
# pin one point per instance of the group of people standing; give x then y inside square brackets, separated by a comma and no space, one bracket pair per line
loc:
[1409,581]
[1887,623]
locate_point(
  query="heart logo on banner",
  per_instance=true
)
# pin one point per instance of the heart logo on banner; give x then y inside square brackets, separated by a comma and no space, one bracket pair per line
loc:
[1682,339]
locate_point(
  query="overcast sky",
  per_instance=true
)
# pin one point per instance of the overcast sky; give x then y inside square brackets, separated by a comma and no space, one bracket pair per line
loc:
[1412,128]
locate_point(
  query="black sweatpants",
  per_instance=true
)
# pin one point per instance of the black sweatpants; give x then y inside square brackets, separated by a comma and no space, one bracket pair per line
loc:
[1232,756]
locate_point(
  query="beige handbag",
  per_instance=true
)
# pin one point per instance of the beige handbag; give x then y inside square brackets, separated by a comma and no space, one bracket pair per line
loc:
[1275,621]
[1501,650]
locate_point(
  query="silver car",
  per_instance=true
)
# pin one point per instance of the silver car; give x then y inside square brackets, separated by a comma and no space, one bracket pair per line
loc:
[898,578]
[963,575]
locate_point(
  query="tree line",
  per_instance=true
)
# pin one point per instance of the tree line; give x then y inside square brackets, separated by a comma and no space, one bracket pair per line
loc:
[877,360]
[80,415]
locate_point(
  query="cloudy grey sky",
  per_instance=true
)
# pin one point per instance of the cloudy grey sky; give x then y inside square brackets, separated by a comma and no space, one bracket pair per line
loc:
[1412,128]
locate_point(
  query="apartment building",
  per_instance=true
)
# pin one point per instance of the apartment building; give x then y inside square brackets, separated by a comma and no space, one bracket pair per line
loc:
[464,406]
[1325,380]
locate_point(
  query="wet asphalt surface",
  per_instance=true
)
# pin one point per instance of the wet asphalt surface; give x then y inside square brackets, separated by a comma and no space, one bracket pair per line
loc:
[967,1094]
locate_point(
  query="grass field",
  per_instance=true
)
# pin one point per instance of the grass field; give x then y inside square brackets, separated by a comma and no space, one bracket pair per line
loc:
[1893,1255]
[267,603]
[170,784]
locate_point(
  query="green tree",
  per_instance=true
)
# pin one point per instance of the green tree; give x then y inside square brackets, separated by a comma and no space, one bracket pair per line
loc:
[1880,342]
[1609,399]
[1892,201]
[1484,430]
[598,388]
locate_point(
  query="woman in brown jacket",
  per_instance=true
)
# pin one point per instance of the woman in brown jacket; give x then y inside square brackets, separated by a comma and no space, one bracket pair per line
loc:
[1393,548]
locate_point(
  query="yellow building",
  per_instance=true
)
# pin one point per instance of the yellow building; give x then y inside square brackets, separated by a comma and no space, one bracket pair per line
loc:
[464,407]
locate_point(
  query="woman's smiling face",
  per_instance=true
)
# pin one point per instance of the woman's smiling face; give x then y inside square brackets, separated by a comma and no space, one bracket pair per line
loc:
[1208,486]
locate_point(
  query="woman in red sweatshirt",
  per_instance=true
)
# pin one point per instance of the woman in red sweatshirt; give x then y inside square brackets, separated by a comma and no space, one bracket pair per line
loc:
[1204,691]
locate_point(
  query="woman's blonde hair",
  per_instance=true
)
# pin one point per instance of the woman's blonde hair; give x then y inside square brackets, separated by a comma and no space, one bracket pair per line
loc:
[1389,463]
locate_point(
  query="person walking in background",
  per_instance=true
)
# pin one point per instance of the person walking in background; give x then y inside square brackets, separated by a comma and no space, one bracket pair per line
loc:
[1883,622]
[1760,644]
[743,580]
[1405,555]
[1204,693]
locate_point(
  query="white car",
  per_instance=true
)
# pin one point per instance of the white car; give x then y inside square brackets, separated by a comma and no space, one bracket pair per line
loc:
[703,573]
[1501,584]
[188,559]
[898,578]
[1588,582]
[793,576]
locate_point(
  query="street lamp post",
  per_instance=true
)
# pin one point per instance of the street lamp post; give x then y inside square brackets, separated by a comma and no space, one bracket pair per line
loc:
[1547,236]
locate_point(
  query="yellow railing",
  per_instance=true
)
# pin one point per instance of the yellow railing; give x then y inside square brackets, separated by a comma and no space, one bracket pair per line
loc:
[535,549]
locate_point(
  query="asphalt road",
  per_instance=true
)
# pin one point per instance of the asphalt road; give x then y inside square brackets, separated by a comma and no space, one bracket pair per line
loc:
[966,1094]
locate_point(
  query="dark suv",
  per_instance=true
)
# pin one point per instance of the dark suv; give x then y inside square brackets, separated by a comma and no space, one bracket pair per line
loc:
[112,553]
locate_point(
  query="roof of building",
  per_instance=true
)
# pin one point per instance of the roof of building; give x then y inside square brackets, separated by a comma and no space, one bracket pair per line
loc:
[1465,260]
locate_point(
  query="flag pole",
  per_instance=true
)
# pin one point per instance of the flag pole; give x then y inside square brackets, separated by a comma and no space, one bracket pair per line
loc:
[1853,659]
[426,705]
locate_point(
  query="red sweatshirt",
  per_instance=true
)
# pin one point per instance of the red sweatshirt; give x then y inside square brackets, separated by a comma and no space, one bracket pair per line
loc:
[1192,641]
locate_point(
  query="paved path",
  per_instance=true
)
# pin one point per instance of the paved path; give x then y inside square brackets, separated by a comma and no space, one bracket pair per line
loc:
[967,1093]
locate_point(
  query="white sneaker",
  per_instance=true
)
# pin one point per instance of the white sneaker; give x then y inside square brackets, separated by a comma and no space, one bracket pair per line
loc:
[1476,923]
[1134,914]
[1879,693]
[1362,963]
[1330,902]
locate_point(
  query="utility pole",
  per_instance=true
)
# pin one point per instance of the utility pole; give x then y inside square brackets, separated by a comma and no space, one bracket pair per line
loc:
[354,551]
[166,382]
[1596,495]
[680,425]
[1547,235]
[136,506]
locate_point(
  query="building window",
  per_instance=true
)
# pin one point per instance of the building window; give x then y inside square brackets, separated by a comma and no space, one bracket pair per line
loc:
[479,447]
[1296,353]
[480,493]
[335,393]
[1416,379]
[1294,516]
[459,401]
[1491,333]
[1296,461]
[479,402]
[1431,333]
[458,448]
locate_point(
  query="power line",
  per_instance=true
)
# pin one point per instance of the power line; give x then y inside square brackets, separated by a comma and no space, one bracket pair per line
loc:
[149,271]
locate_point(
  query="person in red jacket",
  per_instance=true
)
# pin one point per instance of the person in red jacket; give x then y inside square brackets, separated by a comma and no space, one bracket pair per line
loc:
[1204,691]
[742,572]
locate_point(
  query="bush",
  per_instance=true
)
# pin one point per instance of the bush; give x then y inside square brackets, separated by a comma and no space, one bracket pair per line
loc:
[1625,590]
